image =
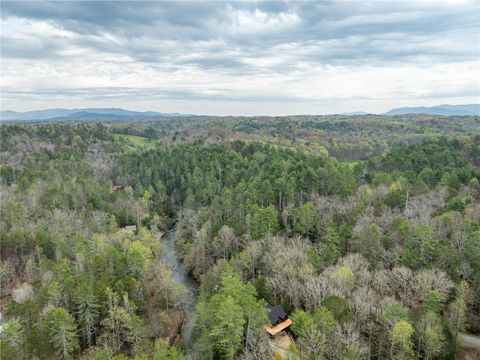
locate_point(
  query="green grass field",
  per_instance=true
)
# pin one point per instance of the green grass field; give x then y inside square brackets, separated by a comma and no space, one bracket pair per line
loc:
[137,142]
[350,163]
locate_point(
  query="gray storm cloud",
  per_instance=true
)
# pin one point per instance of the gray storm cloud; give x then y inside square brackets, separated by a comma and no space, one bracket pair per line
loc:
[314,56]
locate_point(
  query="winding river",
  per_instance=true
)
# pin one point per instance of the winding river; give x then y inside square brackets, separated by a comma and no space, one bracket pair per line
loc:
[183,277]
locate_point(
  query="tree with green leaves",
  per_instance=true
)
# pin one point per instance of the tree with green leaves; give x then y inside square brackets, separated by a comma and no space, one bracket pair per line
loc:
[331,248]
[304,219]
[87,312]
[314,332]
[62,330]
[225,332]
[430,335]
[226,317]
[12,341]
[115,325]
[137,335]
[401,340]
[339,307]
[420,248]
[369,243]
[456,316]
[264,221]
[162,351]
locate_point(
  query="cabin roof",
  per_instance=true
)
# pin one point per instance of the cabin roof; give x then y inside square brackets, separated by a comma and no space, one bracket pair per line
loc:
[276,314]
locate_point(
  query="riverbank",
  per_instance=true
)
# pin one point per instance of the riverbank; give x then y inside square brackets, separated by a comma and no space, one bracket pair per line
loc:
[182,276]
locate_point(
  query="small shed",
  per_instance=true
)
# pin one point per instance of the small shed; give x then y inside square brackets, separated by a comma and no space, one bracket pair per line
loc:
[278,319]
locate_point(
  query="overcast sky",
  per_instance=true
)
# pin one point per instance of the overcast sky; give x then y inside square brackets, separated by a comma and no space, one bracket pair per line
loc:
[239,58]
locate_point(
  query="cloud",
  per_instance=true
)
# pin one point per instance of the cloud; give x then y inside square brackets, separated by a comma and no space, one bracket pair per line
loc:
[238,52]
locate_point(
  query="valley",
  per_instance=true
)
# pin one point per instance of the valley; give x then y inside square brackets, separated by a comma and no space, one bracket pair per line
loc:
[170,239]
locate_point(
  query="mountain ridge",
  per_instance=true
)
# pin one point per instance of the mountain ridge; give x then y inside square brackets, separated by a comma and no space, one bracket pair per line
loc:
[79,114]
[445,109]
[58,114]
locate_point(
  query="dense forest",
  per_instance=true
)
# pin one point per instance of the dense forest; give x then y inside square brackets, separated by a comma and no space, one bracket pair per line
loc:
[364,229]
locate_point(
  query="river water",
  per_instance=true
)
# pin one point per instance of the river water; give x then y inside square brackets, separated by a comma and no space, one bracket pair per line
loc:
[182,276]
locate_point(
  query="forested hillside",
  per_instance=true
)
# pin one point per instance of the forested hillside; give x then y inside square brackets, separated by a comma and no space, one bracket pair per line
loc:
[365,229]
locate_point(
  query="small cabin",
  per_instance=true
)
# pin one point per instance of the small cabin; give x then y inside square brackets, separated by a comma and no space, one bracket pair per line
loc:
[131,228]
[278,319]
[117,187]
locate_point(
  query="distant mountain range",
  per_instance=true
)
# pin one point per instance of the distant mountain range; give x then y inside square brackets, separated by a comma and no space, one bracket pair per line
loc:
[81,114]
[471,109]
[355,113]
[121,114]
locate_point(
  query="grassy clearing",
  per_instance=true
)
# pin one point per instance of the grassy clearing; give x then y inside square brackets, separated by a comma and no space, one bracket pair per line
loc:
[350,163]
[137,142]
